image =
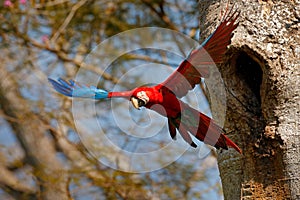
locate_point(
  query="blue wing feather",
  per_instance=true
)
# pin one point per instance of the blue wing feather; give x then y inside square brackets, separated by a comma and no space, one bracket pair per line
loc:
[74,89]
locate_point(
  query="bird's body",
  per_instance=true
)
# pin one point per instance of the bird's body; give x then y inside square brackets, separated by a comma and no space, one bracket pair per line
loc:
[164,98]
[184,118]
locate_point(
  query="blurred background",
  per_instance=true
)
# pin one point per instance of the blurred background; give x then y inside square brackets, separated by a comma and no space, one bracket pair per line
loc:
[41,152]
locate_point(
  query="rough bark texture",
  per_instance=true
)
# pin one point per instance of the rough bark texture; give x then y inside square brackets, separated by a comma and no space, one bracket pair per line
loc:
[262,77]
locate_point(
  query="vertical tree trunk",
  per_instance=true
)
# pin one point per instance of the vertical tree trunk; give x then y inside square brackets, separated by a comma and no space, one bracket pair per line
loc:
[262,76]
[31,131]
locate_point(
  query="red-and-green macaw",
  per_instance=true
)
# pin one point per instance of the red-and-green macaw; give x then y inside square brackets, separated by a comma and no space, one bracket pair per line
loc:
[180,115]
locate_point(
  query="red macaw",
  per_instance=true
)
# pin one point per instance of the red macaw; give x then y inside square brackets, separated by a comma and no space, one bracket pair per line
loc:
[180,115]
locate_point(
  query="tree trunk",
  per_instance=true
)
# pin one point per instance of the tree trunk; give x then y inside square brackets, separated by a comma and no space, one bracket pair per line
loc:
[30,131]
[261,73]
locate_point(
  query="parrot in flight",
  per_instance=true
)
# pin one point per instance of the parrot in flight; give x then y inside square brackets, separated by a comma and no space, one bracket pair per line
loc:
[181,117]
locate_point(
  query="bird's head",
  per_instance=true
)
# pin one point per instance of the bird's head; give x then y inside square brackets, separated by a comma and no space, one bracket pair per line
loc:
[140,97]
[146,96]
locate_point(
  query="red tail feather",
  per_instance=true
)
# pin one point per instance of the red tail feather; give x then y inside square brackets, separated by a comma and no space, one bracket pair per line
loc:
[232,144]
[209,132]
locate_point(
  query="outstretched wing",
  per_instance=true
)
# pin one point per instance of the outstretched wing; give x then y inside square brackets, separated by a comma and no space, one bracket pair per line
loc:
[74,89]
[210,52]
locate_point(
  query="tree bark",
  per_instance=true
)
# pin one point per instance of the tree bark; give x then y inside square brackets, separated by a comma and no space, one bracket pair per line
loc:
[261,73]
[32,134]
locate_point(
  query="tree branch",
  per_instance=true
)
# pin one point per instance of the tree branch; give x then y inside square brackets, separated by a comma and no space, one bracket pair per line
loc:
[161,14]
[39,150]
[85,165]
[14,186]
[67,20]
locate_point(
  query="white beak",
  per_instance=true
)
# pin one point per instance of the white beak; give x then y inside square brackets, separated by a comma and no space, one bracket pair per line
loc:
[135,102]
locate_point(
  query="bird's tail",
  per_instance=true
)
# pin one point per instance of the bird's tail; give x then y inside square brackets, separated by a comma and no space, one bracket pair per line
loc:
[209,132]
[230,143]
[74,89]
[205,129]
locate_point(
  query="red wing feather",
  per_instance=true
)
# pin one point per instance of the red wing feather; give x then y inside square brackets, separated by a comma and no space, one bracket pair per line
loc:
[197,64]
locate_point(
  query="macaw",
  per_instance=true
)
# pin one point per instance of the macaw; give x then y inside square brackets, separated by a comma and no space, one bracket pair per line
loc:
[180,115]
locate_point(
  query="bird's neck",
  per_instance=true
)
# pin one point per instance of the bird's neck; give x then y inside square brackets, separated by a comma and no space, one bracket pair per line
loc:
[125,94]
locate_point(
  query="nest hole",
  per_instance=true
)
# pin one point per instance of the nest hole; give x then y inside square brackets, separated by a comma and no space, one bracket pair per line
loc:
[250,71]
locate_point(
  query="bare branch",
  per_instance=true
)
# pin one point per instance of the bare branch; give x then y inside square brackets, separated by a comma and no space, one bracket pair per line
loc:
[85,165]
[67,20]
[14,185]
[160,13]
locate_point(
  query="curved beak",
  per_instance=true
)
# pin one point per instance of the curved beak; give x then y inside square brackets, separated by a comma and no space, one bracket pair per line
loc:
[135,102]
